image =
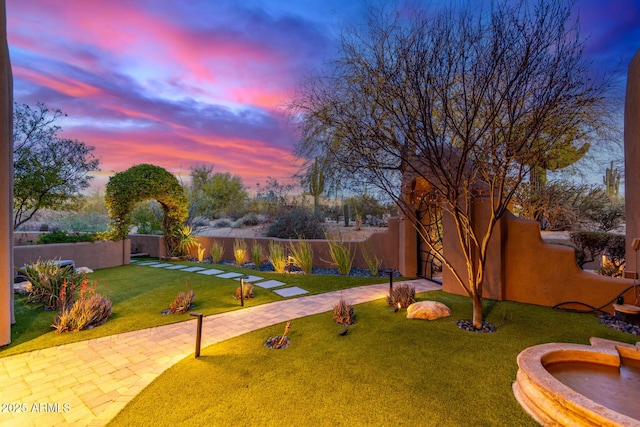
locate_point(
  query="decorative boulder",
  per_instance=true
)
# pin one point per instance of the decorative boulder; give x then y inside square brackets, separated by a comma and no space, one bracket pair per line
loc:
[429,310]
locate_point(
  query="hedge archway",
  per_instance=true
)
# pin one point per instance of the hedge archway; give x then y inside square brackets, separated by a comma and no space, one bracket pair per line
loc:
[140,183]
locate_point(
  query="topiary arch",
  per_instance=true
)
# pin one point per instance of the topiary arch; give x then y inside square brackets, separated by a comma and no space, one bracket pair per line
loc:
[140,183]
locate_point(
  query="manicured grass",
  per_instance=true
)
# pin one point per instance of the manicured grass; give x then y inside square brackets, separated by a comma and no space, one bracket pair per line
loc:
[140,293]
[387,370]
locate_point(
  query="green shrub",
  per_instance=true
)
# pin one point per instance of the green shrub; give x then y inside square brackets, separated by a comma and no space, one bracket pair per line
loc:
[277,257]
[217,250]
[240,251]
[48,280]
[64,237]
[302,255]
[341,254]
[147,216]
[297,221]
[185,240]
[593,244]
[402,296]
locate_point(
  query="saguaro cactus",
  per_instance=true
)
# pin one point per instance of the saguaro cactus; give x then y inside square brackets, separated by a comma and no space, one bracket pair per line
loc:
[316,184]
[611,181]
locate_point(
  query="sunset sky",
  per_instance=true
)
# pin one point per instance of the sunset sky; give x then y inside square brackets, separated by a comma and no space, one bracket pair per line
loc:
[182,83]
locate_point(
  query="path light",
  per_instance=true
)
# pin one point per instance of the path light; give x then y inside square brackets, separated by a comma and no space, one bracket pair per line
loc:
[242,290]
[390,272]
[199,331]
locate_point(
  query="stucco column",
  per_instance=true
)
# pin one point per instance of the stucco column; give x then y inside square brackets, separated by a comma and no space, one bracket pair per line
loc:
[632,161]
[6,184]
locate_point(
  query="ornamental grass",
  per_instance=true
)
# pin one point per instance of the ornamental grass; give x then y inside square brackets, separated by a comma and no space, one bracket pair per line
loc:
[302,255]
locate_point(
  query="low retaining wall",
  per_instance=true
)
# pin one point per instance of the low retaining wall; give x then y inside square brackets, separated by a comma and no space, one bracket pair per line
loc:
[95,255]
[383,244]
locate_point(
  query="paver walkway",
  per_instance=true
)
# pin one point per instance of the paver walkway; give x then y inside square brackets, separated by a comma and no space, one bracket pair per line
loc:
[87,383]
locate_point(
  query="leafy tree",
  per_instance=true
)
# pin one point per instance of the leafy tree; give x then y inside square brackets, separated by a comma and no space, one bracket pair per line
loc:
[49,172]
[464,103]
[216,194]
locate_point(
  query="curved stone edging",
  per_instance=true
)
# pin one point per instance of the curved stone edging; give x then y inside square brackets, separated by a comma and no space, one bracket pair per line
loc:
[549,401]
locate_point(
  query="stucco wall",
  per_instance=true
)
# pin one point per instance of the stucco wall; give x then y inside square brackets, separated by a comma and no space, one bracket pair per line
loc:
[383,244]
[535,272]
[95,255]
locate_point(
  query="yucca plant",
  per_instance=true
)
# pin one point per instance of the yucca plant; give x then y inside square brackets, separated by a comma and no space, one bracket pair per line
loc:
[277,256]
[217,250]
[185,238]
[302,255]
[341,254]
[47,279]
[373,262]
[239,251]
[256,254]
[402,296]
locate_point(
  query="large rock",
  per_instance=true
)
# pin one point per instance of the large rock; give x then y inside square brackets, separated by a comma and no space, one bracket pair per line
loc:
[429,310]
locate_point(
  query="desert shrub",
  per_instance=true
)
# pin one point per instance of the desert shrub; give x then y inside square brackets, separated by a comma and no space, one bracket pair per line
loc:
[48,279]
[183,302]
[296,221]
[402,296]
[277,257]
[343,313]
[88,311]
[249,220]
[248,291]
[341,254]
[256,254]
[302,255]
[370,258]
[222,223]
[239,251]
[616,253]
[84,314]
[217,250]
[591,243]
[64,237]
[185,240]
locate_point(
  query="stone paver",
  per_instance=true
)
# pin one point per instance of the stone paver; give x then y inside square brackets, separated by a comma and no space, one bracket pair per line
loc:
[249,279]
[290,292]
[268,284]
[210,272]
[229,275]
[69,385]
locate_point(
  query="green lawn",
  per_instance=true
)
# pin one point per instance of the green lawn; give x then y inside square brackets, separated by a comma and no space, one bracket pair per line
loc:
[387,370]
[140,293]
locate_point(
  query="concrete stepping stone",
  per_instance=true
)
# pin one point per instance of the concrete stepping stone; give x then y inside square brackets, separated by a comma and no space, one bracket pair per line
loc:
[161,265]
[250,279]
[268,284]
[192,269]
[290,292]
[210,272]
[230,275]
[149,263]
[176,267]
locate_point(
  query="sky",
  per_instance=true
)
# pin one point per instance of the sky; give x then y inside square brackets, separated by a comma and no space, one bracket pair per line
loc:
[205,82]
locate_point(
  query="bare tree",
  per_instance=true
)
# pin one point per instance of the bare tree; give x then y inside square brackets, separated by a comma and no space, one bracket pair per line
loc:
[463,102]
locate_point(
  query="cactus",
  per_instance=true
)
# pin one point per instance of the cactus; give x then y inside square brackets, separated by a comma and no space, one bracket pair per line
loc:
[611,181]
[316,184]
[346,213]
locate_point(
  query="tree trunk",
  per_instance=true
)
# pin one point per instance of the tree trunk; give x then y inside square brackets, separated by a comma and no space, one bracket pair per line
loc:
[477,311]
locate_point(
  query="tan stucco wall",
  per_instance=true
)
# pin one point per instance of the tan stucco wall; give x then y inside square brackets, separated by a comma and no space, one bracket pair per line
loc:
[94,255]
[535,272]
[632,159]
[384,245]
[6,185]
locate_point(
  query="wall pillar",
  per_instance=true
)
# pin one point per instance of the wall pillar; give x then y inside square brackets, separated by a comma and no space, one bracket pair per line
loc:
[632,162]
[6,184]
